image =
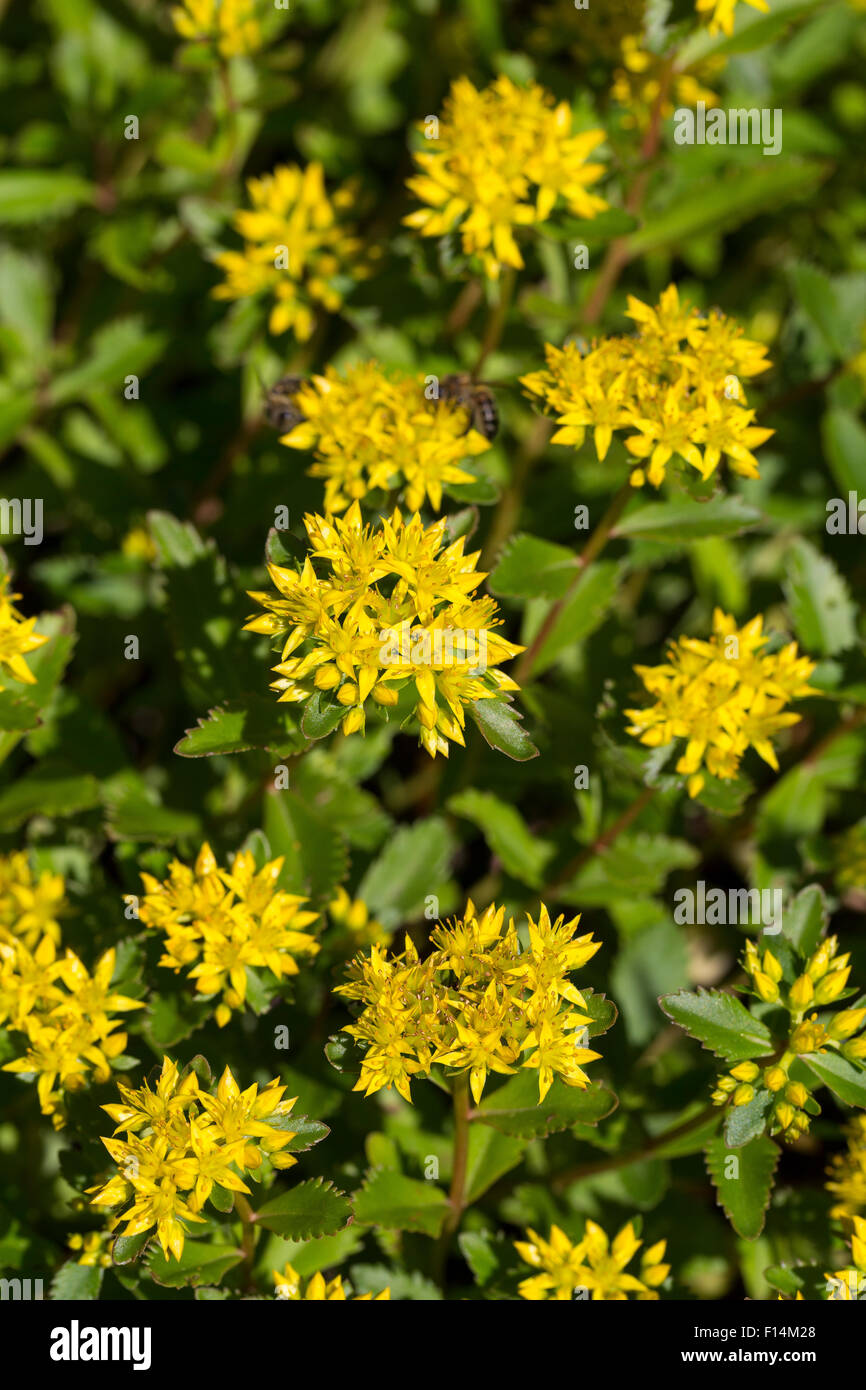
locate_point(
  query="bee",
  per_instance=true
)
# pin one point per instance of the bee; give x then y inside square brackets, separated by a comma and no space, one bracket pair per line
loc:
[475,397]
[281,412]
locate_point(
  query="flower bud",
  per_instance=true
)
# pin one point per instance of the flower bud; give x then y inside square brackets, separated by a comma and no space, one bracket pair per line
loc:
[726,1083]
[796,1093]
[785,1114]
[384,694]
[771,966]
[348,693]
[745,1071]
[766,987]
[327,677]
[845,1023]
[775,1078]
[802,993]
[832,986]
[743,1094]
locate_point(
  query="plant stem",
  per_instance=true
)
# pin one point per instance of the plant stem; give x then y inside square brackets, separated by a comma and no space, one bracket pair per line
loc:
[496,321]
[248,1238]
[591,551]
[457,1195]
[607,1165]
[604,841]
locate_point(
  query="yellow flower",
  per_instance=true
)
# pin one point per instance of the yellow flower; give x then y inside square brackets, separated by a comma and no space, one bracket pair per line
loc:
[675,389]
[298,248]
[395,608]
[138,544]
[723,696]
[230,24]
[357,927]
[595,1265]
[93,1249]
[476,1004]
[372,429]
[29,906]
[17,637]
[181,1140]
[318,1290]
[847,1172]
[848,1285]
[500,159]
[721,13]
[637,84]
[219,921]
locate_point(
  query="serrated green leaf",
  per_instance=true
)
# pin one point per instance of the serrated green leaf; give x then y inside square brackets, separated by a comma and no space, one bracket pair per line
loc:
[411,866]
[584,609]
[530,568]
[514,1107]
[237,727]
[199,1263]
[745,1194]
[681,522]
[316,861]
[821,607]
[74,1282]
[500,725]
[745,1122]
[845,1079]
[313,1208]
[721,1022]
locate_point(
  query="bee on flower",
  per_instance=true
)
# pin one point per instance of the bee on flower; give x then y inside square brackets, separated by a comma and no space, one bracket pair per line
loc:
[372,429]
[476,1004]
[376,611]
[290,1288]
[181,1141]
[675,389]
[500,160]
[723,696]
[594,1268]
[300,247]
[219,921]
[17,637]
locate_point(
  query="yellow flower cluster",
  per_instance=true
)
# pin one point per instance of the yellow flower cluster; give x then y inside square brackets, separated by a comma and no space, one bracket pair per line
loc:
[17,637]
[723,696]
[638,83]
[477,1003]
[595,1265]
[94,1248]
[500,160]
[318,1290]
[394,608]
[180,1141]
[372,429]
[298,247]
[220,921]
[676,387]
[721,13]
[849,1285]
[229,24]
[29,906]
[63,1011]
[846,1172]
[823,979]
[355,926]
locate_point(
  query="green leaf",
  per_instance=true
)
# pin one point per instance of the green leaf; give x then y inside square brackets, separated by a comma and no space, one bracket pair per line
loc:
[652,962]
[746,1196]
[500,725]
[316,860]
[720,1022]
[305,1133]
[400,1203]
[237,727]
[745,1122]
[127,1249]
[514,1107]
[844,1078]
[824,615]
[806,917]
[74,1281]
[533,568]
[37,794]
[117,350]
[199,1263]
[134,815]
[636,865]
[584,610]
[412,865]
[313,1208]
[727,201]
[321,715]
[522,854]
[844,439]
[491,1155]
[680,522]
[32,195]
